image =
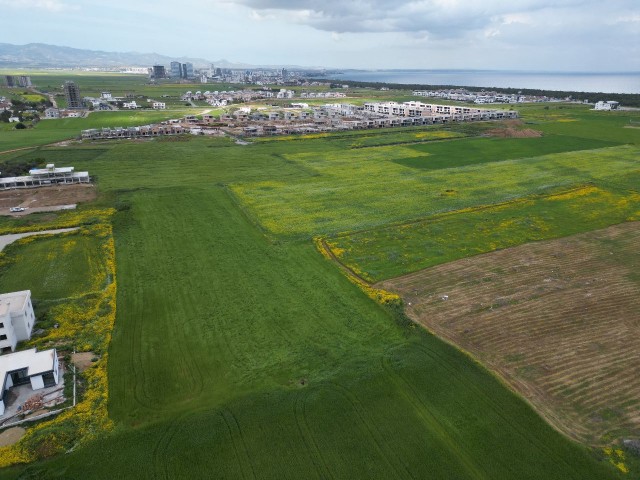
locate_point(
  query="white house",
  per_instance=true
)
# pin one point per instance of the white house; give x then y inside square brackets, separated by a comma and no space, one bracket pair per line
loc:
[52,113]
[16,319]
[159,105]
[609,105]
[40,369]
[132,105]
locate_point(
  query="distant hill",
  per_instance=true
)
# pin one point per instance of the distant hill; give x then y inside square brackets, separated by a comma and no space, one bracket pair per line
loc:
[44,55]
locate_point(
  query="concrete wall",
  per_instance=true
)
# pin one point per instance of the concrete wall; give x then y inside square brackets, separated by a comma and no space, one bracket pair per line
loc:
[56,366]
[9,331]
[37,382]
[23,321]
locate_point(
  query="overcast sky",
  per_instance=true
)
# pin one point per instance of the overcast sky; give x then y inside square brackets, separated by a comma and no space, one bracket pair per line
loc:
[549,35]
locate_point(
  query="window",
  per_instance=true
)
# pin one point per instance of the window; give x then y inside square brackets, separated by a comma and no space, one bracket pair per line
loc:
[3,337]
[1,325]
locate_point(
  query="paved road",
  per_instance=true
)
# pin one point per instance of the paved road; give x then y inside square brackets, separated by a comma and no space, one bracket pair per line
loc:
[52,208]
[7,239]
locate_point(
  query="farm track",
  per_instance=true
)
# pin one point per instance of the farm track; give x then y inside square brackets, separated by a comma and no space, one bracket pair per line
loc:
[556,319]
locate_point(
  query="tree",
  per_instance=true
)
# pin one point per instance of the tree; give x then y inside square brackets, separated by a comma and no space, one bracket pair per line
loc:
[20,126]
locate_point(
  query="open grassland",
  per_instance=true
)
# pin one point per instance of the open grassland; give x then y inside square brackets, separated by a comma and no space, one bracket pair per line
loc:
[234,349]
[53,267]
[558,320]
[580,121]
[55,130]
[475,151]
[391,251]
[237,354]
[364,188]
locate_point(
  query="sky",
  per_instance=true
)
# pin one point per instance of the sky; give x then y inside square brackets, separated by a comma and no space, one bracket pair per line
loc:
[537,35]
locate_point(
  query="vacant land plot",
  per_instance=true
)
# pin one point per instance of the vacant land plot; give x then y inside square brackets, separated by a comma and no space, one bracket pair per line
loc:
[383,253]
[557,319]
[47,196]
[53,266]
[276,351]
[364,188]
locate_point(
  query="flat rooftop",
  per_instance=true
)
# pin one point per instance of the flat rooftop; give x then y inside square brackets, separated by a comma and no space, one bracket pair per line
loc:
[47,171]
[29,178]
[13,302]
[35,362]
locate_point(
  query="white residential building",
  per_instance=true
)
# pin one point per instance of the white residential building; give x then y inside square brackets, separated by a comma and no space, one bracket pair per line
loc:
[609,105]
[40,369]
[16,319]
[159,105]
[52,113]
[132,105]
[50,175]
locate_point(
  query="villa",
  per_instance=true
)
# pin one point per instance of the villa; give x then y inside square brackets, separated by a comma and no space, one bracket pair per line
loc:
[40,369]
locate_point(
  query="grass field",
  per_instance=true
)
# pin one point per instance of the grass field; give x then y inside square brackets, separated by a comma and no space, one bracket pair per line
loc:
[54,267]
[265,348]
[237,353]
[55,130]
[245,346]
[382,253]
[557,319]
[364,188]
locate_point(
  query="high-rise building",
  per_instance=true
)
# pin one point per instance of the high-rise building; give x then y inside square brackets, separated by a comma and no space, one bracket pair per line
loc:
[285,74]
[72,95]
[187,70]
[159,71]
[175,70]
[24,81]
[11,80]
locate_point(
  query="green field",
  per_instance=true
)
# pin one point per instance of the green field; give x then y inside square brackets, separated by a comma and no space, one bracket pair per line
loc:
[364,188]
[262,348]
[240,351]
[54,267]
[55,130]
[388,252]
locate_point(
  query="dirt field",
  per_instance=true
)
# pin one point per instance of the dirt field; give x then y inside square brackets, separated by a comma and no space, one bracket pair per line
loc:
[558,320]
[11,436]
[47,196]
[82,360]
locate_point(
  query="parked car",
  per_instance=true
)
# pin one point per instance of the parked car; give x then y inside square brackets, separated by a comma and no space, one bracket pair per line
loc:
[17,209]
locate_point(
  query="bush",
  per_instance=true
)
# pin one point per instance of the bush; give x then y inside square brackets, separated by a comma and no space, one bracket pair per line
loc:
[20,126]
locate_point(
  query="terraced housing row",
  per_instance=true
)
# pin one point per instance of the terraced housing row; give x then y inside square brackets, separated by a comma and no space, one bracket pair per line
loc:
[301,118]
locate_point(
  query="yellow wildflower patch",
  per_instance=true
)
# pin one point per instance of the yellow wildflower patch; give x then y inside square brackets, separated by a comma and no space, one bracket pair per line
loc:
[86,323]
[616,458]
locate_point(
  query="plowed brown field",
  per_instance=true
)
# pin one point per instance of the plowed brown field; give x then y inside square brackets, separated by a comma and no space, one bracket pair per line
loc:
[558,320]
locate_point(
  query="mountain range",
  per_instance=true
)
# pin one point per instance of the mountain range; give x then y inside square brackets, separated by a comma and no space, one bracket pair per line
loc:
[45,55]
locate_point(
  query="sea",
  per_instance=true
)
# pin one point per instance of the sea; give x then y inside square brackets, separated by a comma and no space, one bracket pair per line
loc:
[567,82]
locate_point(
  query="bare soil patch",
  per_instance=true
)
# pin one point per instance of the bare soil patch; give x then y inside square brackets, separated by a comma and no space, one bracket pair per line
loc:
[47,196]
[82,360]
[11,436]
[509,132]
[558,320]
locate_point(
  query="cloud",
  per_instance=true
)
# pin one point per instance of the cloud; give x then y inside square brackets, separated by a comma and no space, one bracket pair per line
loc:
[438,19]
[48,5]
